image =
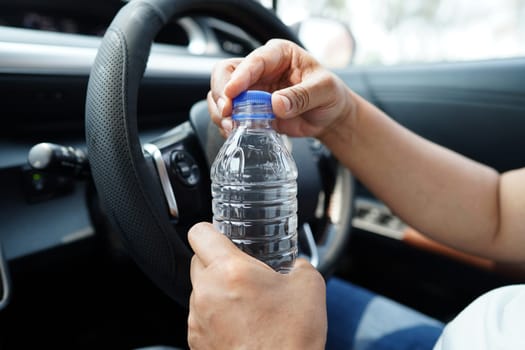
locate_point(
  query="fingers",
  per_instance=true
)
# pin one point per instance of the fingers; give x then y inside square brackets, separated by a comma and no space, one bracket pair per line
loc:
[269,60]
[308,275]
[196,269]
[277,64]
[302,262]
[221,75]
[194,328]
[225,124]
[303,266]
[209,244]
[220,105]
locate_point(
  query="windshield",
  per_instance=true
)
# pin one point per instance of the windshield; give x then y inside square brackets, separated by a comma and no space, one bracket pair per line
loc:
[400,31]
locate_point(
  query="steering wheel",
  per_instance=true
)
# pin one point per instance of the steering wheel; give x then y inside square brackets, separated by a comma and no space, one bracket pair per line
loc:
[153,193]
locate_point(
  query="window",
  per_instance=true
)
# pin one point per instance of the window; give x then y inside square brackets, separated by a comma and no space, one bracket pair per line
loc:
[407,31]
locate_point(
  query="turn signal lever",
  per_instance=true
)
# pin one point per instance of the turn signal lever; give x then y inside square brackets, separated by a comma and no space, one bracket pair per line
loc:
[66,161]
[53,171]
[62,160]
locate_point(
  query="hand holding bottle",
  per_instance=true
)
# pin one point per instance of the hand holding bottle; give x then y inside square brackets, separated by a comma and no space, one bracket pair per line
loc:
[307,100]
[239,302]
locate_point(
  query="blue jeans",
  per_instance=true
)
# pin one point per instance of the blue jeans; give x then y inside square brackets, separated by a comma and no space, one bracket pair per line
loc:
[361,320]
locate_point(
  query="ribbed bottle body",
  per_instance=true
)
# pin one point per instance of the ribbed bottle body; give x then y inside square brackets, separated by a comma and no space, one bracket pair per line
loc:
[254,192]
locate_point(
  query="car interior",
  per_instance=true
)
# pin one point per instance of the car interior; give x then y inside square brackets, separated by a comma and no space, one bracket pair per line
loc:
[104,160]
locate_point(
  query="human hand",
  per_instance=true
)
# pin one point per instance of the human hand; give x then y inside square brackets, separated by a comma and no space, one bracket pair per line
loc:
[307,99]
[239,302]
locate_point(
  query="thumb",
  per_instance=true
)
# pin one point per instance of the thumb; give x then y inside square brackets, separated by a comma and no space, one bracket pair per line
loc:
[209,244]
[313,92]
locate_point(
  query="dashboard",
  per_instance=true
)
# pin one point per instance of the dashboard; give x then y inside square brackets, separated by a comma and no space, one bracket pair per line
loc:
[59,16]
[52,22]
[75,18]
[57,21]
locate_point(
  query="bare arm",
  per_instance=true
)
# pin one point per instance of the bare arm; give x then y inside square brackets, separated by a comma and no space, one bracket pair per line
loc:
[449,197]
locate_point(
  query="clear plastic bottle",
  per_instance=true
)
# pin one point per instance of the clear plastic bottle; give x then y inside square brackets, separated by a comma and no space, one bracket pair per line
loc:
[254,185]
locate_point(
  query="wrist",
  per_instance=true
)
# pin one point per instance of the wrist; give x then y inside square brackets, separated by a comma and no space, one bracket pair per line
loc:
[339,132]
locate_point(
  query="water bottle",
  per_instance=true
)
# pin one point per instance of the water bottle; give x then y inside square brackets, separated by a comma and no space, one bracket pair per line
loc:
[254,185]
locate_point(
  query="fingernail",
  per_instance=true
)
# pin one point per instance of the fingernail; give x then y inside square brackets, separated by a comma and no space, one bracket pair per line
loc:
[227,125]
[220,105]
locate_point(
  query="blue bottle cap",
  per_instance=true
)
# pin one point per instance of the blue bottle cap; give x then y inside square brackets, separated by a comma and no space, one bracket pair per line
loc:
[253,104]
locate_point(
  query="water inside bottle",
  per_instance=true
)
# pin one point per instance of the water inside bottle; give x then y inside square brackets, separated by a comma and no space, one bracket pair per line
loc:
[254,193]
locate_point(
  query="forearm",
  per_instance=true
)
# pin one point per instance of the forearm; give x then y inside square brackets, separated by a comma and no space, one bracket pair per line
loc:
[441,193]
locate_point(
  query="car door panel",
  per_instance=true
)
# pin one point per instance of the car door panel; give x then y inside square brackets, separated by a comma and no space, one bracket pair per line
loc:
[476,109]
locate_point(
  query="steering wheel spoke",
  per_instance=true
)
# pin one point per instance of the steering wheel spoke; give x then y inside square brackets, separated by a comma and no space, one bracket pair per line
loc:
[183,175]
